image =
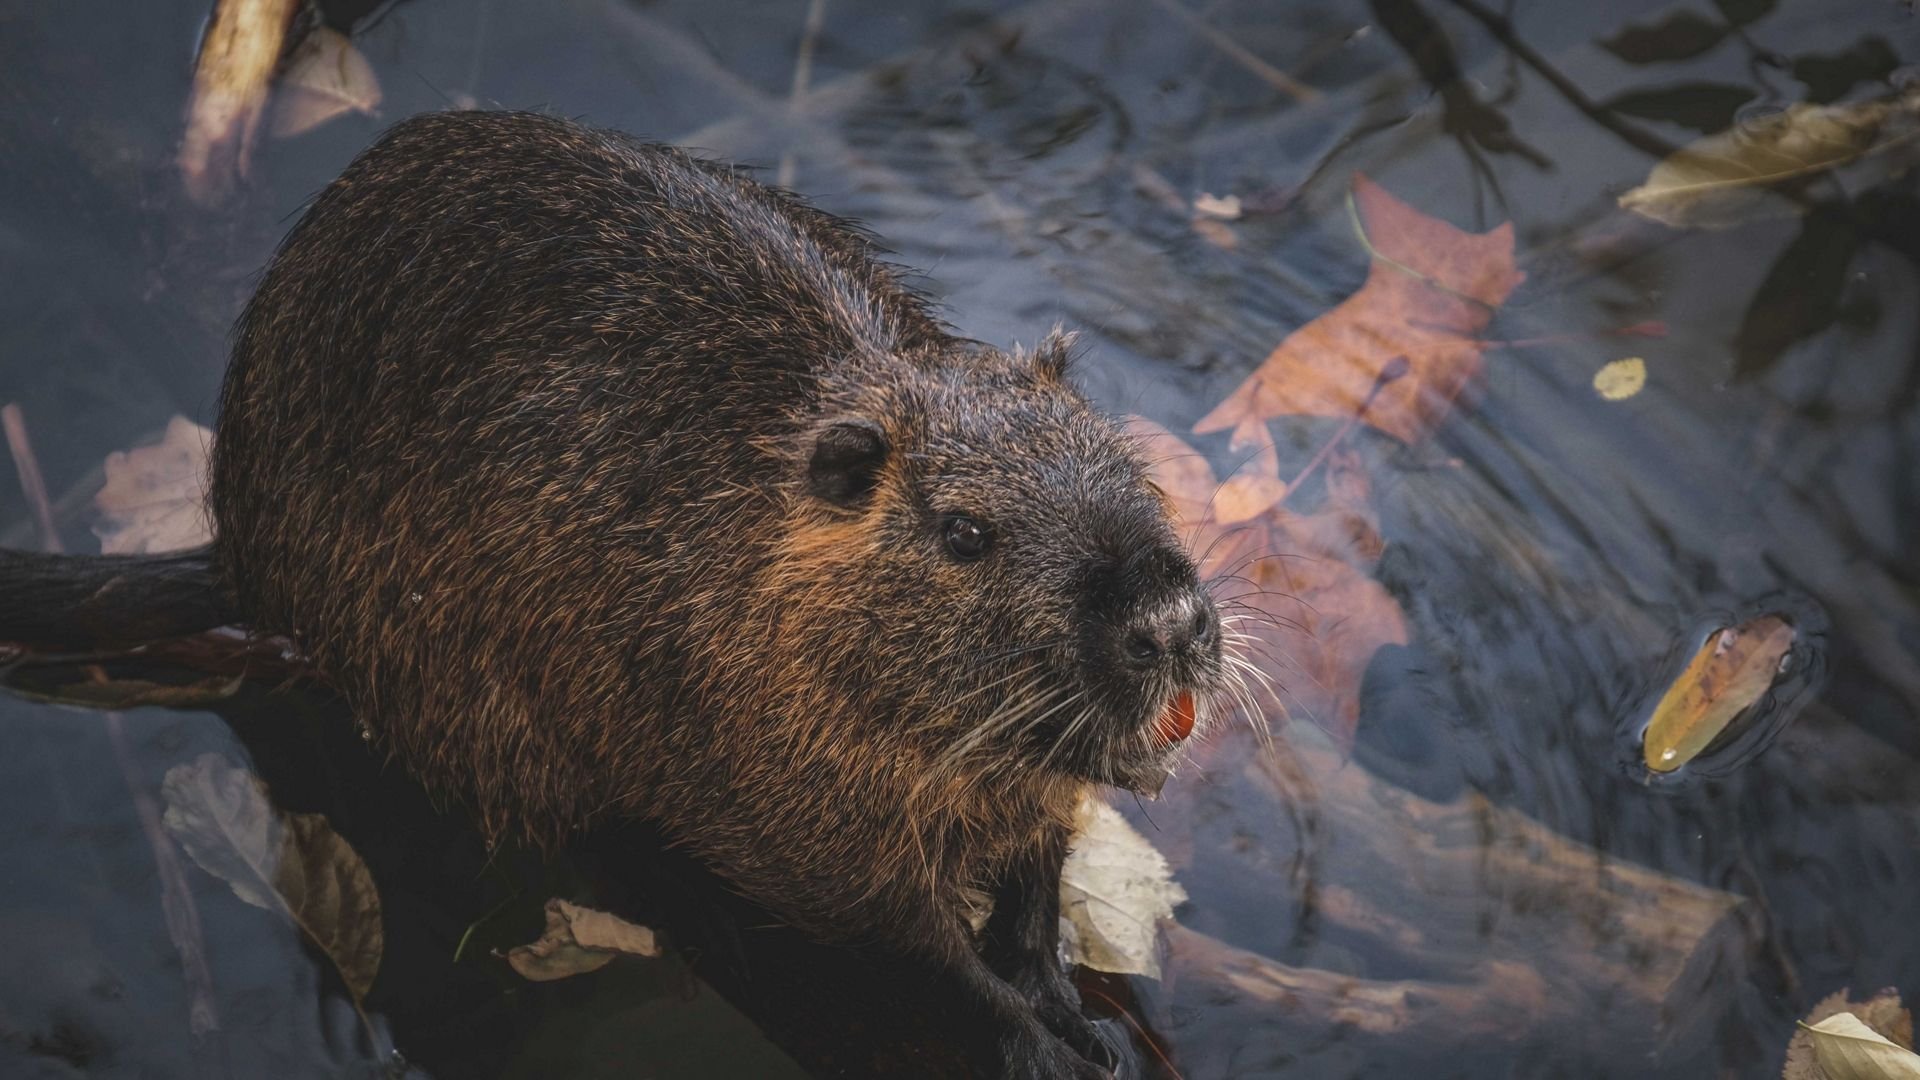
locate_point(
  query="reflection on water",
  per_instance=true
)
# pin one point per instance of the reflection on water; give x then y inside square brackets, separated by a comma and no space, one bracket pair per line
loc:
[1476,875]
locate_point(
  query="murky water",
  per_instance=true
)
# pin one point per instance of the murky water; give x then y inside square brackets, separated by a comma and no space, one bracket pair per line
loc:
[1484,883]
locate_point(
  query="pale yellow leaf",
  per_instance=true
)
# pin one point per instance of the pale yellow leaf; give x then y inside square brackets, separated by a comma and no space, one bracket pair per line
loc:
[1848,1049]
[1114,891]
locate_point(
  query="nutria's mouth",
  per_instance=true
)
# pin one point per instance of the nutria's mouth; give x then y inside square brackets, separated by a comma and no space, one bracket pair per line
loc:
[1144,765]
[1175,722]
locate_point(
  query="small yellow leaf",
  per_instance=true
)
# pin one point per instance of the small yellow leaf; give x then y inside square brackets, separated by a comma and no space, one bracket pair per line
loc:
[1728,674]
[1621,379]
[1848,1049]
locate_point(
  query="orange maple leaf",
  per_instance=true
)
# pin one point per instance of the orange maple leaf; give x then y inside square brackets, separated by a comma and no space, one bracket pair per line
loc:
[1294,588]
[1430,292]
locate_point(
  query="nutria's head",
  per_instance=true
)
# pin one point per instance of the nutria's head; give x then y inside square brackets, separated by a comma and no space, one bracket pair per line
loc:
[1005,580]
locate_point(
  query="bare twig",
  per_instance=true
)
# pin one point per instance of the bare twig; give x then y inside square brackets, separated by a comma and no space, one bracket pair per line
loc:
[31,482]
[1502,30]
[802,73]
[1240,54]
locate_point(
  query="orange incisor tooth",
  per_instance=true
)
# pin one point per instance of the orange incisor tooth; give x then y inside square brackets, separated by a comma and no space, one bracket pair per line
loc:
[1177,722]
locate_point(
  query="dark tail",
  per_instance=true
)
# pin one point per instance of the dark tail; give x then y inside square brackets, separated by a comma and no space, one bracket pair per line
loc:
[79,603]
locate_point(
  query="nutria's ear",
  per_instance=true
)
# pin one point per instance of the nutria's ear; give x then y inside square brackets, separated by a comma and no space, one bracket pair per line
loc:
[1054,355]
[846,462]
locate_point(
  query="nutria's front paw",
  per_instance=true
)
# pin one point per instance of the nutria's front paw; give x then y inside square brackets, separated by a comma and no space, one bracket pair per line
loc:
[1058,1005]
[1040,1056]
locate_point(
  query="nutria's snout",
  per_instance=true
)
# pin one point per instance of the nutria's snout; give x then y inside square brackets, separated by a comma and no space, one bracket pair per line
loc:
[1178,630]
[1155,661]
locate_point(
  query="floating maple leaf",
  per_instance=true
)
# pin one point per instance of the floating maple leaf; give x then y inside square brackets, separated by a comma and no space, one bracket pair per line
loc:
[1432,289]
[1295,586]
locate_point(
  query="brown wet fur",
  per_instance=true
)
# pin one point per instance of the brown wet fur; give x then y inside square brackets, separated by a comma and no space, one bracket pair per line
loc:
[516,442]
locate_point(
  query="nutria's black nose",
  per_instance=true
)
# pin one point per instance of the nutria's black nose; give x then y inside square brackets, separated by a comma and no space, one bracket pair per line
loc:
[1180,624]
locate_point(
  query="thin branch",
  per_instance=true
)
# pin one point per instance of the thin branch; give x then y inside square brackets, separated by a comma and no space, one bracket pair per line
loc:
[802,74]
[1241,55]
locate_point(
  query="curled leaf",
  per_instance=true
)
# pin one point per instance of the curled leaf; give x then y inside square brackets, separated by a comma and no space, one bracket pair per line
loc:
[1733,176]
[1725,677]
[578,940]
[1114,890]
[294,864]
[230,81]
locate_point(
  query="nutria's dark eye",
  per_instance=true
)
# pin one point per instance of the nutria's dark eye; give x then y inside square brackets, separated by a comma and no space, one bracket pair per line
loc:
[966,538]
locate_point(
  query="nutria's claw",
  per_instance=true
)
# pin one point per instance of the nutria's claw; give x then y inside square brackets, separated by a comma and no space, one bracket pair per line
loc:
[1047,1058]
[1058,1007]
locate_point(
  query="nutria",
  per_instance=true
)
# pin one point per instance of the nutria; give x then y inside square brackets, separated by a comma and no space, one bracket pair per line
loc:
[603,480]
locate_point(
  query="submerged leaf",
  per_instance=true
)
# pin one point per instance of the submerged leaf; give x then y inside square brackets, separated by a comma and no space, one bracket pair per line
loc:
[294,864]
[154,499]
[578,940]
[1309,606]
[1431,290]
[325,77]
[1725,677]
[1702,106]
[1848,1049]
[1801,294]
[1114,891]
[1730,177]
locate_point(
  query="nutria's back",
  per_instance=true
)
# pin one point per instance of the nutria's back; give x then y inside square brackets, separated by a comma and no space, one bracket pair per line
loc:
[599,478]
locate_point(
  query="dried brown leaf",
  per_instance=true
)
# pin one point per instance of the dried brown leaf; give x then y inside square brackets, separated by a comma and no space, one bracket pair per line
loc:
[578,940]
[1430,292]
[1308,613]
[1733,176]
[294,864]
